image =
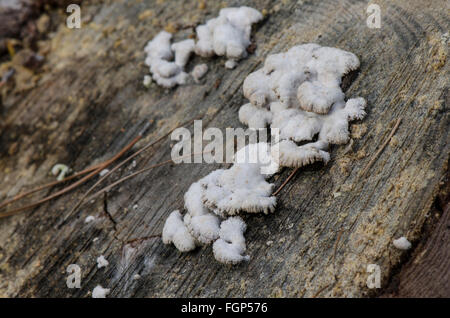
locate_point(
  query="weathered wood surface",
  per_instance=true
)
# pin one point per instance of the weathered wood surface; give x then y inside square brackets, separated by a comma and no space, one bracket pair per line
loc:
[425,273]
[330,222]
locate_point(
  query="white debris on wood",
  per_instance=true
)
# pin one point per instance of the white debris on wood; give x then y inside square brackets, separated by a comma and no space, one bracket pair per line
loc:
[230,64]
[228,34]
[89,218]
[61,171]
[102,261]
[199,71]
[292,155]
[183,51]
[230,247]
[147,81]
[100,292]
[402,243]
[299,93]
[444,38]
[103,172]
[242,187]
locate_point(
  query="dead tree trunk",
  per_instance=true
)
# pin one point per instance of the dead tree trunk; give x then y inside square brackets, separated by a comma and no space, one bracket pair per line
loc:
[330,222]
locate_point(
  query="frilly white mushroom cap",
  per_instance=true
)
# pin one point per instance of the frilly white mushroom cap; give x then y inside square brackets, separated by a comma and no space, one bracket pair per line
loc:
[259,154]
[243,186]
[200,222]
[166,72]
[228,34]
[159,47]
[299,125]
[230,247]
[220,194]
[240,188]
[175,232]
[306,76]
[318,98]
[255,117]
[280,77]
[204,228]
[299,93]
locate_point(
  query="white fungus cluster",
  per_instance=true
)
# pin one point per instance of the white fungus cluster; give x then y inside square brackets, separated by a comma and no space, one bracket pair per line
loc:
[175,232]
[299,93]
[167,61]
[212,202]
[226,35]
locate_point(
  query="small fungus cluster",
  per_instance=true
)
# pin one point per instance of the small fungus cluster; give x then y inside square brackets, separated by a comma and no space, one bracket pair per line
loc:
[213,202]
[226,35]
[299,94]
[166,66]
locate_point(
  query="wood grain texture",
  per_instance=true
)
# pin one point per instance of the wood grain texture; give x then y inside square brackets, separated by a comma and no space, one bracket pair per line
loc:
[426,270]
[330,222]
[428,273]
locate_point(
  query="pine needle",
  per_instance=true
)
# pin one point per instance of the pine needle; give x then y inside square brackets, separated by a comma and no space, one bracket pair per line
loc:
[377,154]
[146,147]
[286,181]
[94,170]
[99,168]
[48,185]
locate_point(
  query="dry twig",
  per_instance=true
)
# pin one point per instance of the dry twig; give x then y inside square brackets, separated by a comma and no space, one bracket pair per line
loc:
[146,147]
[97,170]
[286,181]
[377,154]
